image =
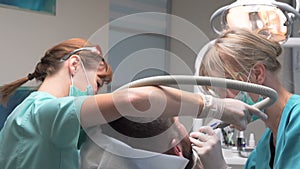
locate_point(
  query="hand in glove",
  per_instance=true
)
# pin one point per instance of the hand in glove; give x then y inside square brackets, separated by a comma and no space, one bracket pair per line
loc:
[231,111]
[208,147]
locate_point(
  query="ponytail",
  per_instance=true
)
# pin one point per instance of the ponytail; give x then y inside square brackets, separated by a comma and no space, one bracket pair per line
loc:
[48,65]
[8,89]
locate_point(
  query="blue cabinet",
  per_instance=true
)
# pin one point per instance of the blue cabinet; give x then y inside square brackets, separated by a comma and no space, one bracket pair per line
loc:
[13,101]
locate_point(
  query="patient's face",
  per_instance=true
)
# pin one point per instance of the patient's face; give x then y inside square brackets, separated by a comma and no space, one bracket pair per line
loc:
[184,142]
[180,127]
[183,138]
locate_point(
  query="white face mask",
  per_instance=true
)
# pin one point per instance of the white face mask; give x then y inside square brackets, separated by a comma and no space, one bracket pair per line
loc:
[74,91]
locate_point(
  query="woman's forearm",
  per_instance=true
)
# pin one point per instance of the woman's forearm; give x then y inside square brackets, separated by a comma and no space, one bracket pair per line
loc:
[150,101]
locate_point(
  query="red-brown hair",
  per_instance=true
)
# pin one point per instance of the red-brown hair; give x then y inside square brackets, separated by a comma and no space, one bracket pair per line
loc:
[49,64]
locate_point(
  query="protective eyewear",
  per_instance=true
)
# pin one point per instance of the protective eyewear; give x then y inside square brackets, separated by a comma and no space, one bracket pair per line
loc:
[95,49]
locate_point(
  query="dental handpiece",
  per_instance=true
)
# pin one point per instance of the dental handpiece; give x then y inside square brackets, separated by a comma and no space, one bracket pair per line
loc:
[220,125]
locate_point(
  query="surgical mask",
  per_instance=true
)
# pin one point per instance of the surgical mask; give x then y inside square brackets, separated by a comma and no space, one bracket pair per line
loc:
[74,91]
[245,97]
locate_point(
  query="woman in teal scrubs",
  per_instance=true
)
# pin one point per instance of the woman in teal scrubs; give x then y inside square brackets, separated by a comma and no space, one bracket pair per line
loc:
[242,55]
[43,131]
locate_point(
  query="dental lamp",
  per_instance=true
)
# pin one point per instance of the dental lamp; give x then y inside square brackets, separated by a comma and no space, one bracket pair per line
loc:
[268,17]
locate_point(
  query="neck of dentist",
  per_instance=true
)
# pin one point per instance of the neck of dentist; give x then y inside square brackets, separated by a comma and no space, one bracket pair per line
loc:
[57,84]
[274,112]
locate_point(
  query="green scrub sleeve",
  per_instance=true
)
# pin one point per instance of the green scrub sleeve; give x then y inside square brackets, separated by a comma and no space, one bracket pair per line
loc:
[289,153]
[58,120]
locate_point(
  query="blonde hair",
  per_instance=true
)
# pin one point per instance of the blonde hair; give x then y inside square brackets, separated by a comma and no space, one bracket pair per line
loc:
[237,51]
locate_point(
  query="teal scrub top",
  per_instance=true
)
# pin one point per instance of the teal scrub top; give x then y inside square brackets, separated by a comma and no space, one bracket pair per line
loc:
[287,150]
[41,133]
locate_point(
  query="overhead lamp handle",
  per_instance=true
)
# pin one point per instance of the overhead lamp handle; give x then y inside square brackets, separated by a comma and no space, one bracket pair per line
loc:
[288,8]
[297,5]
[216,14]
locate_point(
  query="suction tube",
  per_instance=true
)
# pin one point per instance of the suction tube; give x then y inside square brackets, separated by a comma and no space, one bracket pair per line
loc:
[271,94]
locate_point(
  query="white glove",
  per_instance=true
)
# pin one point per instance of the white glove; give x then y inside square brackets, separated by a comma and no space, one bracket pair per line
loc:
[231,111]
[208,147]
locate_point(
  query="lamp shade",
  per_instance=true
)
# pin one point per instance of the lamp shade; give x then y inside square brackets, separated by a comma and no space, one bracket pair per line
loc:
[265,19]
[268,17]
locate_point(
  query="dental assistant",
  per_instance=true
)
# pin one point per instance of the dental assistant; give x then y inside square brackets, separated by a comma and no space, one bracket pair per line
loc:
[43,131]
[242,55]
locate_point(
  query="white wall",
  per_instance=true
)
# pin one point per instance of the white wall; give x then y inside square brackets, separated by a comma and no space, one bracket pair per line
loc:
[26,35]
[134,55]
[196,12]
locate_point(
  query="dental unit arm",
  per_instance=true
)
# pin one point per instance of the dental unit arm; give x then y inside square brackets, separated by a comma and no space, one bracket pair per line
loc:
[271,94]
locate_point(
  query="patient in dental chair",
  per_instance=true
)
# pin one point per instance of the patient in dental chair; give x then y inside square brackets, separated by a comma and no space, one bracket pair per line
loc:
[139,143]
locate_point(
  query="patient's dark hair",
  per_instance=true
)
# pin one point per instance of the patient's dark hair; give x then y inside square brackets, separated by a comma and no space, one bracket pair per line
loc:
[130,130]
[141,127]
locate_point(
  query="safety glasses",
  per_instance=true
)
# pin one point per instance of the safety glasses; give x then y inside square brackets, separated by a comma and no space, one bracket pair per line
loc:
[95,49]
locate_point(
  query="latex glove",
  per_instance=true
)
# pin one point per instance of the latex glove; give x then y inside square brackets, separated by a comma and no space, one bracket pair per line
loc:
[231,111]
[208,147]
